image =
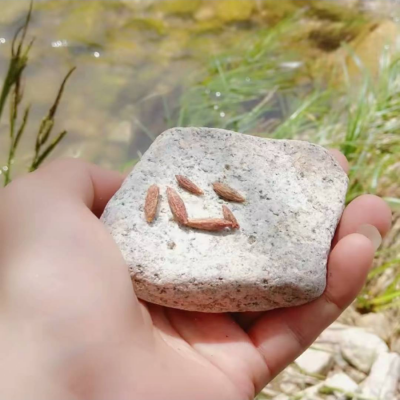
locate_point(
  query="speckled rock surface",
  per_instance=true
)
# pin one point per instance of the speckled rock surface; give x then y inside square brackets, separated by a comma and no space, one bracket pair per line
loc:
[294,193]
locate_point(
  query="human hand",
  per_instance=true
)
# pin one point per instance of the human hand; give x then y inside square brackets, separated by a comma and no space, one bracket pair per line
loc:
[72,328]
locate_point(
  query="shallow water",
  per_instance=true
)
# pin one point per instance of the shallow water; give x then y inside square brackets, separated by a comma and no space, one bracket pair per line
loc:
[133,59]
[130,60]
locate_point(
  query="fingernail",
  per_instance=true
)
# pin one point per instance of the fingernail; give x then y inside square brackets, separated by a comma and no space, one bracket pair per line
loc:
[372,233]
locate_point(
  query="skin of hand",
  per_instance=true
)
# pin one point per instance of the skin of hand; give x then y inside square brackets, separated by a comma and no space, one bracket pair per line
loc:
[72,328]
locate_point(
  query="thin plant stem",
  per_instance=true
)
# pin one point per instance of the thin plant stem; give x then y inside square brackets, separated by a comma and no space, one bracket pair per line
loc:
[13,148]
[18,60]
[46,128]
[47,151]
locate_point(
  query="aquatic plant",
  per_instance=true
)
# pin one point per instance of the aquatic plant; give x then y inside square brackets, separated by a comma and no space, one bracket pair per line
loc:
[12,89]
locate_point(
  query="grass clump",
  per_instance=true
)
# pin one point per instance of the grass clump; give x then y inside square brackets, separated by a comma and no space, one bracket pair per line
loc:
[239,90]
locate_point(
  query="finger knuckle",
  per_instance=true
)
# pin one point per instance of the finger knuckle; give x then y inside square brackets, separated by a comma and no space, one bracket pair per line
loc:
[64,163]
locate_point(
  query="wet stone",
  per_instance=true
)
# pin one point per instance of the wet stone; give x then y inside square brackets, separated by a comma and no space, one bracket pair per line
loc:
[278,256]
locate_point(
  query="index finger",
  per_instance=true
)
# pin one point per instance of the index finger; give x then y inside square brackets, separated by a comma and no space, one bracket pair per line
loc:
[74,178]
[341,159]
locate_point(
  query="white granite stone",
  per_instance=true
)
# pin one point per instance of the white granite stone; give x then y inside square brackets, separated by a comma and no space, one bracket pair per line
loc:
[343,383]
[294,192]
[317,360]
[381,384]
[361,348]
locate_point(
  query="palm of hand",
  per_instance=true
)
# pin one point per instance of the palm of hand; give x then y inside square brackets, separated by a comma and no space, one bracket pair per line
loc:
[77,298]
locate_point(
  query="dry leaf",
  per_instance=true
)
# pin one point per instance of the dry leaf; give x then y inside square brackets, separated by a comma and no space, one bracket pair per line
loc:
[209,224]
[227,193]
[188,185]
[177,206]
[228,215]
[151,202]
